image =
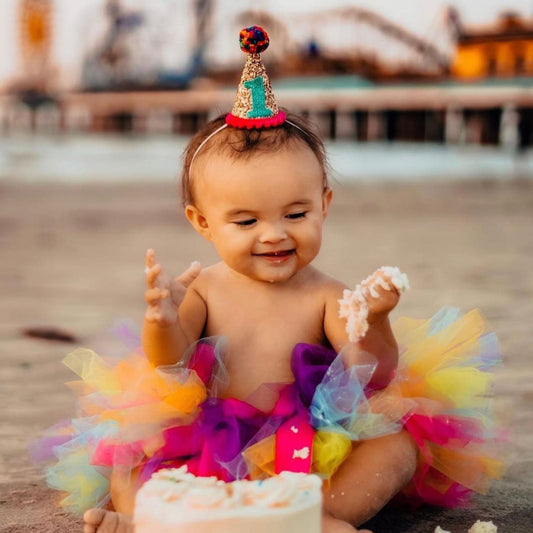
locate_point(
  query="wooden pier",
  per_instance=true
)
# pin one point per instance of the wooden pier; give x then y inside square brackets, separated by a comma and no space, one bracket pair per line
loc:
[483,113]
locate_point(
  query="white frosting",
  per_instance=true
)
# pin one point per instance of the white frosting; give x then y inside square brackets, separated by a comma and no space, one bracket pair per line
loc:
[397,277]
[175,500]
[354,309]
[478,527]
[354,304]
[483,527]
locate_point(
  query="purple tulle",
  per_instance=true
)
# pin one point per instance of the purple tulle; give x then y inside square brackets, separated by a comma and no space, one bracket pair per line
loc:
[309,365]
[213,443]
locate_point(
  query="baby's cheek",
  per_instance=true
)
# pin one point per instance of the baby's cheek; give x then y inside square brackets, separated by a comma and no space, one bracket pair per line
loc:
[311,243]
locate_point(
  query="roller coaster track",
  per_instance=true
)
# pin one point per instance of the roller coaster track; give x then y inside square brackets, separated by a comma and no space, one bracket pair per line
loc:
[426,50]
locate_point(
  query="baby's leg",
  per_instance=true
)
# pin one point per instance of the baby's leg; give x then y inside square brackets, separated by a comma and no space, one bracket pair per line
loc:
[374,472]
[123,487]
[335,525]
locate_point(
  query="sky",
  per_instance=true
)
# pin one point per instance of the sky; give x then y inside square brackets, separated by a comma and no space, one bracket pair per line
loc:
[78,23]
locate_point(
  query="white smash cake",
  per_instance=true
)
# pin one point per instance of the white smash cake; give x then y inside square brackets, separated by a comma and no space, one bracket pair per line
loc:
[175,500]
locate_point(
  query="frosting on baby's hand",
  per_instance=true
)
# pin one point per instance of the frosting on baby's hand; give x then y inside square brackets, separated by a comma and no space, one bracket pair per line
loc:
[396,277]
[354,304]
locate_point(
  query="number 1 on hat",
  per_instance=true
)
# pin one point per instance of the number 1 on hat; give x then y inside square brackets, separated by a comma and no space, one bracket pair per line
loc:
[257,89]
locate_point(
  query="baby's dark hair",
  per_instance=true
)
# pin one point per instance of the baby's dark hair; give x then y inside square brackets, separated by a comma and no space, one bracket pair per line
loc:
[242,144]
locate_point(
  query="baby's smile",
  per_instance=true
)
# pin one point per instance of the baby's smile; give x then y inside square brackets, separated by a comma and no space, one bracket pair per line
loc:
[277,256]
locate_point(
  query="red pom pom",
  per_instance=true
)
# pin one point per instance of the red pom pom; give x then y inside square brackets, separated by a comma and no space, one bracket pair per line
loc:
[253,40]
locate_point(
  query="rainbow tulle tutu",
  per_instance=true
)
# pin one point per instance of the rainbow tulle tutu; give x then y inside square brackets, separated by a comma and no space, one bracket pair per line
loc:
[133,416]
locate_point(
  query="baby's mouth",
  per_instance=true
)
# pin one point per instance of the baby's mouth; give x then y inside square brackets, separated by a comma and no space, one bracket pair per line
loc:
[279,254]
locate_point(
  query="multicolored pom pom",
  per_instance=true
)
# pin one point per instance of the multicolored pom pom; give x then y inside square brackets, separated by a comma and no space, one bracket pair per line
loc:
[253,40]
[255,106]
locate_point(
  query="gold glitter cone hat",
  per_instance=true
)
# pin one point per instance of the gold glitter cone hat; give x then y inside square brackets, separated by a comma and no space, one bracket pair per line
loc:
[255,105]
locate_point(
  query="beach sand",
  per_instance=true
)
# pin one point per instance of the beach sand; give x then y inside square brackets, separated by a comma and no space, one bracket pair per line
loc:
[73,259]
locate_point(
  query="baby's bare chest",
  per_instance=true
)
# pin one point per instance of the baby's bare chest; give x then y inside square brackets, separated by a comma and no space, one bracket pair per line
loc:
[277,315]
[262,330]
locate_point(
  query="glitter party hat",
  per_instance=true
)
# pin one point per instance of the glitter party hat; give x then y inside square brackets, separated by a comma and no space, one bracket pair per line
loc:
[255,105]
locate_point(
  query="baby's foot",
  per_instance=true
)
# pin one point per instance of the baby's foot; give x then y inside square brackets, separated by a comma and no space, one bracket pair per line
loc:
[102,521]
[334,525]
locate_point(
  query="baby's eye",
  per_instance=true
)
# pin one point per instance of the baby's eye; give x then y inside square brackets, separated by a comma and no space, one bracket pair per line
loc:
[247,222]
[293,216]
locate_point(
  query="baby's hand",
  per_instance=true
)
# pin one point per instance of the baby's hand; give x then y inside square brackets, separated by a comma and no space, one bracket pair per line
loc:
[165,294]
[371,301]
[381,295]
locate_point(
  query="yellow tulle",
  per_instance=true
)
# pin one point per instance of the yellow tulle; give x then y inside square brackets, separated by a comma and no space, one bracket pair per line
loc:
[95,374]
[329,451]
[436,366]
[424,353]
[451,382]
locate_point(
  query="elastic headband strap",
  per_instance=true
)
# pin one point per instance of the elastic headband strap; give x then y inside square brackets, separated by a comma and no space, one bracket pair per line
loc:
[295,126]
[224,126]
[212,134]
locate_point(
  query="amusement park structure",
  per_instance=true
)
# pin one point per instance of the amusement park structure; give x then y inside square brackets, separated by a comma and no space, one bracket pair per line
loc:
[34,21]
[112,64]
[425,59]
[456,85]
[116,61]
[106,66]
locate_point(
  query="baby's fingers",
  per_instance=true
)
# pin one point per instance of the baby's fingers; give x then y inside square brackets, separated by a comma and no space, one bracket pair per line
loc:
[152,275]
[155,295]
[150,258]
[190,274]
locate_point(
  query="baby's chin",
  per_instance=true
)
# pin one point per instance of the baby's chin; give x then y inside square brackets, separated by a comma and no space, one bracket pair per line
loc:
[270,271]
[280,276]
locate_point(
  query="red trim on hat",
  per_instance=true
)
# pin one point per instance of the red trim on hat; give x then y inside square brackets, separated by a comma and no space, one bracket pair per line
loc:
[255,123]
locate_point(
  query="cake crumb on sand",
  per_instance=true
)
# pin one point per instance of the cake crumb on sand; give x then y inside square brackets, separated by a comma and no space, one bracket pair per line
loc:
[483,527]
[478,527]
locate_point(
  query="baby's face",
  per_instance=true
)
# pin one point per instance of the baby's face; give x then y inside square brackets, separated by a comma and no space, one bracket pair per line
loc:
[264,215]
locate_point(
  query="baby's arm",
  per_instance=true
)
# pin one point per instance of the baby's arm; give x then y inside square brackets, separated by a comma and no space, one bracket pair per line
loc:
[360,322]
[175,315]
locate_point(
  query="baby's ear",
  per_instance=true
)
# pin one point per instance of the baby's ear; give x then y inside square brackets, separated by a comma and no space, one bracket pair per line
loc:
[198,221]
[326,200]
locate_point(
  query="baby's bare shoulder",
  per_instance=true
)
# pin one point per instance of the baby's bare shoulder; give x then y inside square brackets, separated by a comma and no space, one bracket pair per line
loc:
[327,286]
[208,275]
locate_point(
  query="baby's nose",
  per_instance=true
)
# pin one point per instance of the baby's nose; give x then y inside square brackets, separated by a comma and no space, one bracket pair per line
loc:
[273,232]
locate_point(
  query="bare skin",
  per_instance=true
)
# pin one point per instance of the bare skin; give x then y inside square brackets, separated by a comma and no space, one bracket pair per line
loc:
[265,297]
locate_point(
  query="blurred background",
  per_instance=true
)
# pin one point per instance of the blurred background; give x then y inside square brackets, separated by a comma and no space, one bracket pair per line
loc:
[426,107]
[445,88]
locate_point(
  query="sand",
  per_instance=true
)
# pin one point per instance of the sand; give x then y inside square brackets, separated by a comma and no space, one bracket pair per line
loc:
[72,258]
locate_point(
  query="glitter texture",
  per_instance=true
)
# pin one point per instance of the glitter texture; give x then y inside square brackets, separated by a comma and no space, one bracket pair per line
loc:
[253,68]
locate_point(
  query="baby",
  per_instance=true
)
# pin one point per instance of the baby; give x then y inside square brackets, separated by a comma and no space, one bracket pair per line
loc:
[261,198]
[255,185]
